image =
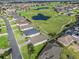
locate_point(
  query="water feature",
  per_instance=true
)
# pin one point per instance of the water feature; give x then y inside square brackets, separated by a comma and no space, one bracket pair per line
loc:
[40,17]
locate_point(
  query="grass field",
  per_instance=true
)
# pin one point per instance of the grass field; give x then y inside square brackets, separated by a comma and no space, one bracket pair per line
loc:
[53,24]
[4,43]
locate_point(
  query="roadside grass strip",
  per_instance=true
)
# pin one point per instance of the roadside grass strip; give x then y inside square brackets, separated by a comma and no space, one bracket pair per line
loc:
[22,40]
[17,34]
[12,22]
[3,30]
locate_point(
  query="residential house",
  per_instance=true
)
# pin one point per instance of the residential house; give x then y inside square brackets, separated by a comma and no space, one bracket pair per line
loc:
[26,27]
[39,39]
[50,51]
[22,22]
[66,40]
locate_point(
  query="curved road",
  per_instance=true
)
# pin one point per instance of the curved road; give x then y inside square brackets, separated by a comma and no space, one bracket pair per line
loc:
[15,49]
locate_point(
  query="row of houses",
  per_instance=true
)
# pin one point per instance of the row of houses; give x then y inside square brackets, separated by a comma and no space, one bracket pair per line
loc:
[71,37]
[29,5]
[26,27]
[67,9]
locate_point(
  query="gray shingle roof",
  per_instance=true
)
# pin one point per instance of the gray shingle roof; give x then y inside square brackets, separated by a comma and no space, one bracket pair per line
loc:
[51,51]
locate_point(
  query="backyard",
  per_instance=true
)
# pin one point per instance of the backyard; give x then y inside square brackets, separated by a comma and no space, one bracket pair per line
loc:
[4,42]
[2,27]
[24,51]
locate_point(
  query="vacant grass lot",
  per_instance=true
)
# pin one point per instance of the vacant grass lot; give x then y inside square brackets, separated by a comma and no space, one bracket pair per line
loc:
[4,43]
[25,54]
[53,25]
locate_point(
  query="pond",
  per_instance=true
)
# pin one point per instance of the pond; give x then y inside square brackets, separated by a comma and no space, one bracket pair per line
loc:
[40,17]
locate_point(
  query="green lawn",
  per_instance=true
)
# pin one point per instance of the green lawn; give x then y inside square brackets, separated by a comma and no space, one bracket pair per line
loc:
[1,21]
[17,34]
[16,31]
[4,43]
[21,41]
[66,51]
[3,30]
[10,17]
[53,24]
[24,51]
[2,26]
[14,27]
[12,23]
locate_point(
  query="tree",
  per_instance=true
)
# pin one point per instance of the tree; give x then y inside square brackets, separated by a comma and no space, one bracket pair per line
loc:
[6,53]
[52,34]
[30,49]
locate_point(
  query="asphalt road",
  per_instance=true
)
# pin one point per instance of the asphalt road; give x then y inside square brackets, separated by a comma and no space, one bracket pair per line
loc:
[15,49]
